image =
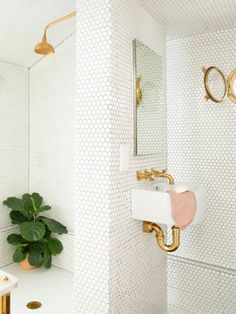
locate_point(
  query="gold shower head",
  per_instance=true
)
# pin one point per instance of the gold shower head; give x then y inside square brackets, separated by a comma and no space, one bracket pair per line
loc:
[44,48]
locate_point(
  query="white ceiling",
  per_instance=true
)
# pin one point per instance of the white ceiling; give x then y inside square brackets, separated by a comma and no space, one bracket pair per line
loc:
[22,23]
[184,18]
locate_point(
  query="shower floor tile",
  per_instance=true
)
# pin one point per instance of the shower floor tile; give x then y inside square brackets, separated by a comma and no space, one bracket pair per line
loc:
[53,288]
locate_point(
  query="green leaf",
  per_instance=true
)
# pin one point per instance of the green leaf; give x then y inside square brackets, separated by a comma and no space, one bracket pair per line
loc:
[44,208]
[15,204]
[53,225]
[36,247]
[35,258]
[18,204]
[37,199]
[17,217]
[48,232]
[55,246]
[28,203]
[19,255]
[32,231]
[47,258]
[15,239]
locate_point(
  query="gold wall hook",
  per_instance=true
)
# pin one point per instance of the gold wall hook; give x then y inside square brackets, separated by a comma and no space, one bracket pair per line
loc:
[163,174]
[149,227]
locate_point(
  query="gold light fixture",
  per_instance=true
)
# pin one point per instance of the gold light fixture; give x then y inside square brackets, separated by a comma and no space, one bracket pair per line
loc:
[213,78]
[44,48]
[231,80]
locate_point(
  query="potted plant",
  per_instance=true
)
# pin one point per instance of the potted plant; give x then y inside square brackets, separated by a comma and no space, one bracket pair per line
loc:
[35,244]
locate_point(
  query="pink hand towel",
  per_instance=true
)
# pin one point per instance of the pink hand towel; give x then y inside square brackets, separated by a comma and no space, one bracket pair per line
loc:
[183,207]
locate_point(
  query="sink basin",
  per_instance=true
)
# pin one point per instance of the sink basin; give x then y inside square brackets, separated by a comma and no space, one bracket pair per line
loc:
[7,283]
[151,202]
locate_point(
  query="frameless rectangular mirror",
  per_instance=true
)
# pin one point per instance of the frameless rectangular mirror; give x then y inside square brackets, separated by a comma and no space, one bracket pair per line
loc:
[148,100]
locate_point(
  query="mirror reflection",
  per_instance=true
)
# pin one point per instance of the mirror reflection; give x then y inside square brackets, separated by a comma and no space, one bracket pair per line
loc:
[149,127]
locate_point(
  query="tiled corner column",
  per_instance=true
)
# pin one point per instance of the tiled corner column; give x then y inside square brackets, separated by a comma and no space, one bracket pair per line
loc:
[119,269]
[93,157]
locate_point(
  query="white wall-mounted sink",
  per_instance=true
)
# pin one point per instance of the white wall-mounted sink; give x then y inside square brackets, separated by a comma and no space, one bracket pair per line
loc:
[151,201]
[7,282]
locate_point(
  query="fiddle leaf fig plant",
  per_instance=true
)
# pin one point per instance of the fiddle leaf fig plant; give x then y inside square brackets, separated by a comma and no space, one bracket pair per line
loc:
[35,239]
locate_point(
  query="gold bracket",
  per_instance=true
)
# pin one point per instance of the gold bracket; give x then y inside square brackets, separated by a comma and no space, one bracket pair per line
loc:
[149,227]
[139,95]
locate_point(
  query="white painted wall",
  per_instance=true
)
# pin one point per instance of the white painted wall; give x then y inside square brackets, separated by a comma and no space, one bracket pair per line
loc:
[13,145]
[52,138]
[201,149]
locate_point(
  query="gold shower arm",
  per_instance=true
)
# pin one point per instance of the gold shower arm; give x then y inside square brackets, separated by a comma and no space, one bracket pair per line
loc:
[66,17]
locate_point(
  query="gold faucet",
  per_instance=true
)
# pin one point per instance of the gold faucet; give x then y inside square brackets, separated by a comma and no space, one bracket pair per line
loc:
[163,174]
[148,175]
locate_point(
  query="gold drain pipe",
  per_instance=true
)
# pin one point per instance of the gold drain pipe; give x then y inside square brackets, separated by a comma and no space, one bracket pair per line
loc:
[148,226]
[5,301]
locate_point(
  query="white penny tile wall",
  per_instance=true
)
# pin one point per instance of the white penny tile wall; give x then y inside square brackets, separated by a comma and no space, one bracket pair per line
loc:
[119,269]
[195,287]
[6,250]
[202,149]
[52,138]
[13,144]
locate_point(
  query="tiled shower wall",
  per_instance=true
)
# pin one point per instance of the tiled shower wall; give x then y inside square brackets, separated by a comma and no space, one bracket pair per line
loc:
[202,148]
[14,145]
[52,139]
[119,269]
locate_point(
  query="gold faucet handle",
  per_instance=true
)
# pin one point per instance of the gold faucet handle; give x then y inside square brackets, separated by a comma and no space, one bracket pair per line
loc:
[154,171]
[148,175]
[157,171]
